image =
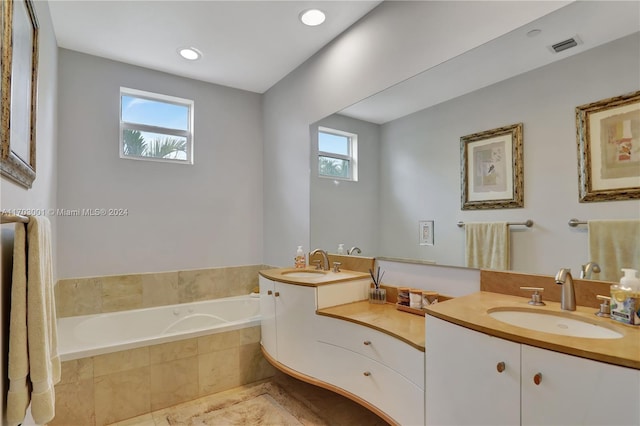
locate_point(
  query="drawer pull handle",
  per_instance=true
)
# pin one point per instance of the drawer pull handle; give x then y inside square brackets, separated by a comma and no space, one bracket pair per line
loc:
[537,379]
[269,292]
[367,342]
[276,294]
[367,373]
[500,366]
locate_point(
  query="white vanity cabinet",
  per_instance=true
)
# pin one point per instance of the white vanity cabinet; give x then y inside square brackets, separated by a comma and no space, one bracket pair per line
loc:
[384,371]
[288,313]
[464,387]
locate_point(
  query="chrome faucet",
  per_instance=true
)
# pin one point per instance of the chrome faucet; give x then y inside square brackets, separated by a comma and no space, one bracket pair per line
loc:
[325,258]
[352,249]
[588,269]
[568,299]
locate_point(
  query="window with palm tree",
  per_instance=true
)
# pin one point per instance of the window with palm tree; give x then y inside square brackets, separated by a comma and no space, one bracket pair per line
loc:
[155,127]
[337,154]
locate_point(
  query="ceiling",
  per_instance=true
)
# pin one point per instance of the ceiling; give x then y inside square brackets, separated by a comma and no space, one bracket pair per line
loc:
[248,45]
[594,22]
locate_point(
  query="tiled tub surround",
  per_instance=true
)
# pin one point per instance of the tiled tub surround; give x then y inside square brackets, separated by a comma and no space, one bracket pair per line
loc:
[85,296]
[107,388]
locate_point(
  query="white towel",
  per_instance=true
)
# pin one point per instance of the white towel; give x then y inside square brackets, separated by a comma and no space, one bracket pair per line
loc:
[34,338]
[487,245]
[614,244]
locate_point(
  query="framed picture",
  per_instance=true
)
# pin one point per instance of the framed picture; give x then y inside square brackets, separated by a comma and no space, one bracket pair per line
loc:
[19,81]
[426,232]
[491,174]
[608,136]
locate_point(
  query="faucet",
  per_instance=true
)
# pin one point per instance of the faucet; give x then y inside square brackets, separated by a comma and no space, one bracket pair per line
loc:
[568,299]
[352,249]
[325,259]
[588,269]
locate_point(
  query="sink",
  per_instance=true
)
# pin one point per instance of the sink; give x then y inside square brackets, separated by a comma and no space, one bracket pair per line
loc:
[550,322]
[303,274]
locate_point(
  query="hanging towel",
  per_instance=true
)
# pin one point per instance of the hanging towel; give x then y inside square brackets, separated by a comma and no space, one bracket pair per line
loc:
[34,365]
[18,394]
[487,245]
[614,244]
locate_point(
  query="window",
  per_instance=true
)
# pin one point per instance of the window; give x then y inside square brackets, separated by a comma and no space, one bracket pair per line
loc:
[155,127]
[337,154]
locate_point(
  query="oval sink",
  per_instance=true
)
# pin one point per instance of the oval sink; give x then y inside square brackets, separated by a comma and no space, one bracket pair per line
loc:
[303,274]
[556,324]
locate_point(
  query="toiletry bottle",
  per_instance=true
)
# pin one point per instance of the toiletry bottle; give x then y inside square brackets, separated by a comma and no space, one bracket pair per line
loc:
[301,261]
[340,248]
[625,298]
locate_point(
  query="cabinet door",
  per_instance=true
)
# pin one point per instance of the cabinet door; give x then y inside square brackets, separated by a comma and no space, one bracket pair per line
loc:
[462,383]
[268,316]
[295,319]
[577,391]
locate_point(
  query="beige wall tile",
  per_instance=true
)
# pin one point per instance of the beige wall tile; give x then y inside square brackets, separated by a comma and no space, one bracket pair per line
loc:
[250,335]
[74,404]
[218,371]
[195,285]
[242,279]
[82,296]
[76,370]
[253,365]
[144,420]
[120,361]
[122,395]
[219,341]
[173,350]
[121,292]
[160,289]
[174,382]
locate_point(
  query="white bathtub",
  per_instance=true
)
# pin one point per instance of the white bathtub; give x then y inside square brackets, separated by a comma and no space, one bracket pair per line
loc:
[89,335]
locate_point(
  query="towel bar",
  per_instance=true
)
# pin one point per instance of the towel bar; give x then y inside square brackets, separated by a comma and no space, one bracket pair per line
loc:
[528,223]
[575,222]
[13,218]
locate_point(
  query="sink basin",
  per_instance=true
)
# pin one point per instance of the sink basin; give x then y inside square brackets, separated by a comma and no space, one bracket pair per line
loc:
[549,322]
[303,274]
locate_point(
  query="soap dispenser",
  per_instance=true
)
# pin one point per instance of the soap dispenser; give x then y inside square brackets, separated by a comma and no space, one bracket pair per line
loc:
[300,260]
[340,248]
[625,298]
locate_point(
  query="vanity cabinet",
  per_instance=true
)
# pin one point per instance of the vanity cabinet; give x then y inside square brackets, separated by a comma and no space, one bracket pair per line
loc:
[288,313]
[536,386]
[384,371]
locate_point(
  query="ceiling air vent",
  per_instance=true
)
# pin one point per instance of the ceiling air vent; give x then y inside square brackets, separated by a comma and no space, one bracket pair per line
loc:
[566,44]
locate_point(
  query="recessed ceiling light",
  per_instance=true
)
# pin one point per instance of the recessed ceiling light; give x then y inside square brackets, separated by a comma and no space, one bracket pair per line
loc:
[312,17]
[534,33]
[190,53]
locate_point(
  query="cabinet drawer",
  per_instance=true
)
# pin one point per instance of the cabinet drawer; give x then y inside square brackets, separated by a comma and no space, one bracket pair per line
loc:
[388,350]
[377,384]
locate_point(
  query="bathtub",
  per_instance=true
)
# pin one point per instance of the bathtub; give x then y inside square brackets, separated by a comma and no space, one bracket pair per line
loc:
[89,335]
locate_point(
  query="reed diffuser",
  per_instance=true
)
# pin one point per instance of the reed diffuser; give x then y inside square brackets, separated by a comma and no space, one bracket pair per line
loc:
[376,293]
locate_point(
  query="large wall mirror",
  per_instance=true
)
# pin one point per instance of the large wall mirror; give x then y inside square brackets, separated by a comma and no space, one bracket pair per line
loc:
[408,144]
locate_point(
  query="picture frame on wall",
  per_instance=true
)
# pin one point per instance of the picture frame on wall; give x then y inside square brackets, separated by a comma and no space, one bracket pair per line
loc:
[426,232]
[608,138]
[19,81]
[491,174]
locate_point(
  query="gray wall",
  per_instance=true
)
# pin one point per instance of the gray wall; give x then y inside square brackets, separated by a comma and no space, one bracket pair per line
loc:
[179,216]
[343,211]
[393,42]
[420,174]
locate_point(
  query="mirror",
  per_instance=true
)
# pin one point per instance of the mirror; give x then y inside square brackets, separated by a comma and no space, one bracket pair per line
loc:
[408,144]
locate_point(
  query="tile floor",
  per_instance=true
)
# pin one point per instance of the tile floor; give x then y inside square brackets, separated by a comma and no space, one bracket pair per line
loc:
[308,404]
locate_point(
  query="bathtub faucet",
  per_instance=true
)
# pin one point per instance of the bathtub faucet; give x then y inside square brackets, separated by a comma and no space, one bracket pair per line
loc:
[325,258]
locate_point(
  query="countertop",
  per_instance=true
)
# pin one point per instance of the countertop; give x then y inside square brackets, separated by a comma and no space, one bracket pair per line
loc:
[382,317]
[319,277]
[471,312]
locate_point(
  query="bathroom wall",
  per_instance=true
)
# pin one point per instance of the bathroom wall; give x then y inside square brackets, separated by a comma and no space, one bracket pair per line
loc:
[349,208]
[393,42]
[179,217]
[43,193]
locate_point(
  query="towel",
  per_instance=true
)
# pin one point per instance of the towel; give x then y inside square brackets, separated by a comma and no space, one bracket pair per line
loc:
[487,245]
[39,348]
[614,244]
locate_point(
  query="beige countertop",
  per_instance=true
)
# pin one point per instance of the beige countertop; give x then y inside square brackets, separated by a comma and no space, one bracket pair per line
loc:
[471,311]
[287,275]
[382,317]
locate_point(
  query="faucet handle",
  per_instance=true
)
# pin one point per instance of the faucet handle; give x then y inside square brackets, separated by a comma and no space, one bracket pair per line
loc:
[605,308]
[536,297]
[317,263]
[336,266]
